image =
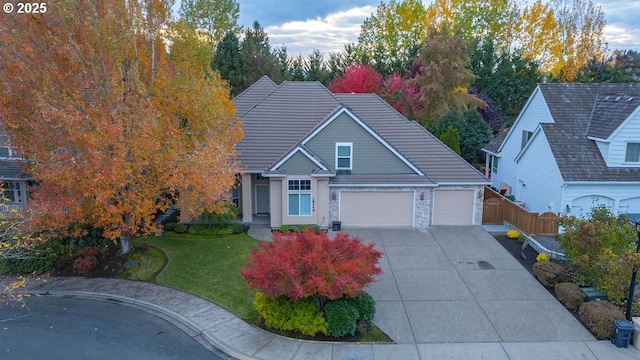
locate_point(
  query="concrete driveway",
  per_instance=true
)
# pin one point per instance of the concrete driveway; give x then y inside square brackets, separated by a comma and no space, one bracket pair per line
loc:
[456,284]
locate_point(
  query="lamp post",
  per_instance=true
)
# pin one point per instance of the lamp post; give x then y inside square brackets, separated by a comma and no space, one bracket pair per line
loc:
[633,277]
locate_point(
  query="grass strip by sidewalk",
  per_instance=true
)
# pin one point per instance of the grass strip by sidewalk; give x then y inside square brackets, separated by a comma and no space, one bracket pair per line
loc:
[209,267]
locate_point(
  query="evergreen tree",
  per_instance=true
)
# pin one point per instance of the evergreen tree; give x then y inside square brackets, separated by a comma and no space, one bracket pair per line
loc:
[257,58]
[227,61]
[451,138]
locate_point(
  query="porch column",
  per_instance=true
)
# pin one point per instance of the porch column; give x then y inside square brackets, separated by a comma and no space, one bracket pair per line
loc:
[247,198]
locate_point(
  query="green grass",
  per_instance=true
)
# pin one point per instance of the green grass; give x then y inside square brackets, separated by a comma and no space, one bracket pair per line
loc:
[209,267]
[150,263]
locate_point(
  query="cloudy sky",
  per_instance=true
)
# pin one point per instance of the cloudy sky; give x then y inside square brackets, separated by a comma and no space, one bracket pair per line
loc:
[304,25]
[326,25]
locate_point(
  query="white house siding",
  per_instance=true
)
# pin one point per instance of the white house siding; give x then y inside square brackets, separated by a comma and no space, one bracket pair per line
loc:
[534,112]
[622,198]
[628,132]
[603,147]
[539,183]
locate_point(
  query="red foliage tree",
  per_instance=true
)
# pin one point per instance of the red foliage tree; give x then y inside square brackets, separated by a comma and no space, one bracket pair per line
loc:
[400,94]
[357,78]
[308,264]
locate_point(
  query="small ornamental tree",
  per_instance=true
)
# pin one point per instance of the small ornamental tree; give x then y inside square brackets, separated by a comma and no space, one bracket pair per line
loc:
[602,247]
[306,264]
[357,79]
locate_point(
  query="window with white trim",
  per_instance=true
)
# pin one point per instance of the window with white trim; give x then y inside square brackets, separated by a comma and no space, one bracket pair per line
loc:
[11,192]
[344,156]
[633,153]
[494,164]
[526,135]
[299,198]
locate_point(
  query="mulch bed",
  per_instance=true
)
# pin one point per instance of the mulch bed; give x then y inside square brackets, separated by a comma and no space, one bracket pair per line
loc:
[526,257]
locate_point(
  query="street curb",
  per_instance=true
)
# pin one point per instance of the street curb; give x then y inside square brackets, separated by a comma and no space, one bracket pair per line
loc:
[195,331]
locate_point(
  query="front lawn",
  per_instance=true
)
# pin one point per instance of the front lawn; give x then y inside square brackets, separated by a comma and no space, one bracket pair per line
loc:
[208,267]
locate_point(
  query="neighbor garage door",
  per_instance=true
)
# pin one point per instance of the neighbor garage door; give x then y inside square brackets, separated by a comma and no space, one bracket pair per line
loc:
[376,208]
[453,207]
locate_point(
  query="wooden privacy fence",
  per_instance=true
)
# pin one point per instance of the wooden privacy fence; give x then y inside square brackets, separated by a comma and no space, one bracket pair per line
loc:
[497,209]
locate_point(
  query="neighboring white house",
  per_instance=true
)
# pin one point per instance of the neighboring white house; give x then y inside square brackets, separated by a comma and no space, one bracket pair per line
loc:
[572,146]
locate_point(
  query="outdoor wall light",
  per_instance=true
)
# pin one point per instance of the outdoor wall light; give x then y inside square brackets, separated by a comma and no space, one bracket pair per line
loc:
[333,195]
[422,196]
[568,209]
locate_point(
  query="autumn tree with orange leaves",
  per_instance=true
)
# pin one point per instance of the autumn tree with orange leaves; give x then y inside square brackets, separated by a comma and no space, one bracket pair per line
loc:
[114,127]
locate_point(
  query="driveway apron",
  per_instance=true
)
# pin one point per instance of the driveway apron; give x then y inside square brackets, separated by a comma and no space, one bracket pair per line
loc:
[457,284]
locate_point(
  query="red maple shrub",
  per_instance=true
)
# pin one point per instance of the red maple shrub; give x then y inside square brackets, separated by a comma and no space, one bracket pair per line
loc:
[304,264]
[86,260]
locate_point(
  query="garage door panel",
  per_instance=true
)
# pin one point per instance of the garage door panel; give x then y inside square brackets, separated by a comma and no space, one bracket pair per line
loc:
[453,207]
[376,208]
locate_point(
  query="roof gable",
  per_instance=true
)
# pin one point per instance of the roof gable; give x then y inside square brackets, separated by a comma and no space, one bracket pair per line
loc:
[577,110]
[610,112]
[367,129]
[303,151]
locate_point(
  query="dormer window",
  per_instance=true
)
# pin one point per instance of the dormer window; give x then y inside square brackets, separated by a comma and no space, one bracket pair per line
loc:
[633,153]
[344,156]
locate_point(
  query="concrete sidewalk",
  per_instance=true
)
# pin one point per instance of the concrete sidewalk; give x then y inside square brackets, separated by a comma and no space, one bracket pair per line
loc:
[446,293]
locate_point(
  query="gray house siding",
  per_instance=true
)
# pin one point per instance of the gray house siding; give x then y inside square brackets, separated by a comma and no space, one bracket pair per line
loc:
[298,164]
[369,155]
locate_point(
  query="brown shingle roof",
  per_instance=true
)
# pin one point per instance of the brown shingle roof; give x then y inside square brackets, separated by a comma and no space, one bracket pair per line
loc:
[291,112]
[572,107]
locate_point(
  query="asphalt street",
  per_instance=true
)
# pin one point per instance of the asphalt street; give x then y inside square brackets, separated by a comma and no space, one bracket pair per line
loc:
[70,328]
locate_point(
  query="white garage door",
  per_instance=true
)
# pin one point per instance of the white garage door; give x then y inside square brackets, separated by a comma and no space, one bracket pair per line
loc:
[376,208]
[453,207]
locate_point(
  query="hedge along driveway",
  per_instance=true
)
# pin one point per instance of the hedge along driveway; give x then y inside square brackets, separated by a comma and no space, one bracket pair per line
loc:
[209,267]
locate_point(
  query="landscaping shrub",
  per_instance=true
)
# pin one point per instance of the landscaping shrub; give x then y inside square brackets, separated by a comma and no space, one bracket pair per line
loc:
[602,248]
[227,213]
[239,228]
[550,273]
[542,257]
[366,306]
[284,314]
[39,261]
[569,295]
[299,265]
[341,316]
[598,317]
[181,228]
[210,229]
[86,260]
[170,226]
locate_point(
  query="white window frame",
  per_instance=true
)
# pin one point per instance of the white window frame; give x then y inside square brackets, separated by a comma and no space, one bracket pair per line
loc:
[526,136]
[15,189]
[626,154]
[350,157]
[495,162]
[299,187]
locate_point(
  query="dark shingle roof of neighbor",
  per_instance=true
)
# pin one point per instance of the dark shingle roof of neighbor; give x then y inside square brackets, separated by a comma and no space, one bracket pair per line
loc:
[13,169]
[573,108]
[283,118]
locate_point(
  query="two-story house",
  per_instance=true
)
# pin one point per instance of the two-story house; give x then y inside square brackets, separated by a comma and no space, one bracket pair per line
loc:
[313,157]
[573,146]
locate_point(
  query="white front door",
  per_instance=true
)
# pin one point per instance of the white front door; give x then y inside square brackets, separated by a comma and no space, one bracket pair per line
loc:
[262,199]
